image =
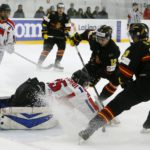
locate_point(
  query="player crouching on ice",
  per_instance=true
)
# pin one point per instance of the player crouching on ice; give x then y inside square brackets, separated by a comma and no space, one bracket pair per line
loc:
[135,61]
[31,111]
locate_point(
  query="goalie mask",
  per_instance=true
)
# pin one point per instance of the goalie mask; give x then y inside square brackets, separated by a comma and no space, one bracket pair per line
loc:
[81,77]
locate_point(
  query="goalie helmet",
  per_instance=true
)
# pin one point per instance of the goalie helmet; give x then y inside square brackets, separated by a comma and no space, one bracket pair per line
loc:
[139,32]
[103,32]
[81,77]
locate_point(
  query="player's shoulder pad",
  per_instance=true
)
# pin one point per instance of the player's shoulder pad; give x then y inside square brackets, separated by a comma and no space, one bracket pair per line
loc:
[11,23]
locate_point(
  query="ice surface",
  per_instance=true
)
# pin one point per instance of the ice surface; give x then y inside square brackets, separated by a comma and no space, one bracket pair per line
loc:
[15,70]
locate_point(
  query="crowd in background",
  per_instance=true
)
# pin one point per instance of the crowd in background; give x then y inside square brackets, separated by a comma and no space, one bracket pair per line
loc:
[73,13]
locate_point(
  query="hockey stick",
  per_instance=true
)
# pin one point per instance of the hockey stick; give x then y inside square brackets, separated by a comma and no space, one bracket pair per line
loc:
[57,37]
[99,102]
[32,62]
[25,58]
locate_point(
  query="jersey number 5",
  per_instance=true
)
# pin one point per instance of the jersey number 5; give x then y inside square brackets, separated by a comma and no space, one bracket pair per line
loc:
[56,86]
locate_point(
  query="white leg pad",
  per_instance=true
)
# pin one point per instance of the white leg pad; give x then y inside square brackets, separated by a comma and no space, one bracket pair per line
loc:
[26,118]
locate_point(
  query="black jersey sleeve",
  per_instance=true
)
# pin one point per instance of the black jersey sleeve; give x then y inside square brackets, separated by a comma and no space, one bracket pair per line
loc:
[77,38]
[45,22]
[86,34]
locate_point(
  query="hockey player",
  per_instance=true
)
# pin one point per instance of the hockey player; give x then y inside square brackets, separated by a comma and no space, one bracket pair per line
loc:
[104,57]
[71,91]
[135,61]
[55,25]
[6,31]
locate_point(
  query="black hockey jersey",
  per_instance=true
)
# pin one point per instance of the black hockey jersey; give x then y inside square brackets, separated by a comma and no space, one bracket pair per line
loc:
[107,56]
[54,25]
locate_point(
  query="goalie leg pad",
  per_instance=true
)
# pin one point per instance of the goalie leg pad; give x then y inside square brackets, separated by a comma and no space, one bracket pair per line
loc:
[26,118]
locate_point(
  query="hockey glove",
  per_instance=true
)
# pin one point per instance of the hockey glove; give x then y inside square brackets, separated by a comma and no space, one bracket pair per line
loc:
[67,27]
[45,36]
[75,40]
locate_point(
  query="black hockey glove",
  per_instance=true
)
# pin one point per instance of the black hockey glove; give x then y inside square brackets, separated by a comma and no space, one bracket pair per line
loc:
[75,40]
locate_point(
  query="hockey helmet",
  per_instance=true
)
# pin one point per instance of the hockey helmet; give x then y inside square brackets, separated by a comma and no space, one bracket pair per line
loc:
[81,77]
[139,32]
[103,32]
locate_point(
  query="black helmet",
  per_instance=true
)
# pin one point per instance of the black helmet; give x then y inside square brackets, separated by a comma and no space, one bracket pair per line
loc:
[5,7]
[139,32]
[81,77]
[104,32]
[60,5]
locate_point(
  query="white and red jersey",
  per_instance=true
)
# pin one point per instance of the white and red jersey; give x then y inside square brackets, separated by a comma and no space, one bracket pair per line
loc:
[6,33]
[67,89]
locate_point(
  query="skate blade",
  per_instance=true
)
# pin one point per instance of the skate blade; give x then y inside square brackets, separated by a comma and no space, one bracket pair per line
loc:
[143,131]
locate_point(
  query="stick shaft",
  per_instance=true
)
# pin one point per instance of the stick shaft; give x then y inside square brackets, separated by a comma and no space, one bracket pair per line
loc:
[99,102]
[25,58]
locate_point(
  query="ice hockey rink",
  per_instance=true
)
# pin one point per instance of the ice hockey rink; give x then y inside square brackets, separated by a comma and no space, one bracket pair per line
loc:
[14,70]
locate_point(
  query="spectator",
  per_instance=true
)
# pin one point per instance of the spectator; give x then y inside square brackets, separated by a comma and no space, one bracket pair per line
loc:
[96,12]
[88,13]
[103,14]
[146,14]
[39,13]
[19,13]
[80,13]
[51,10]
[71,11]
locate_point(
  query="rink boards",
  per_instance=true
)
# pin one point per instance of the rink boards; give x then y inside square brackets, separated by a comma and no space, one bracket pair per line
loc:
[28,31]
